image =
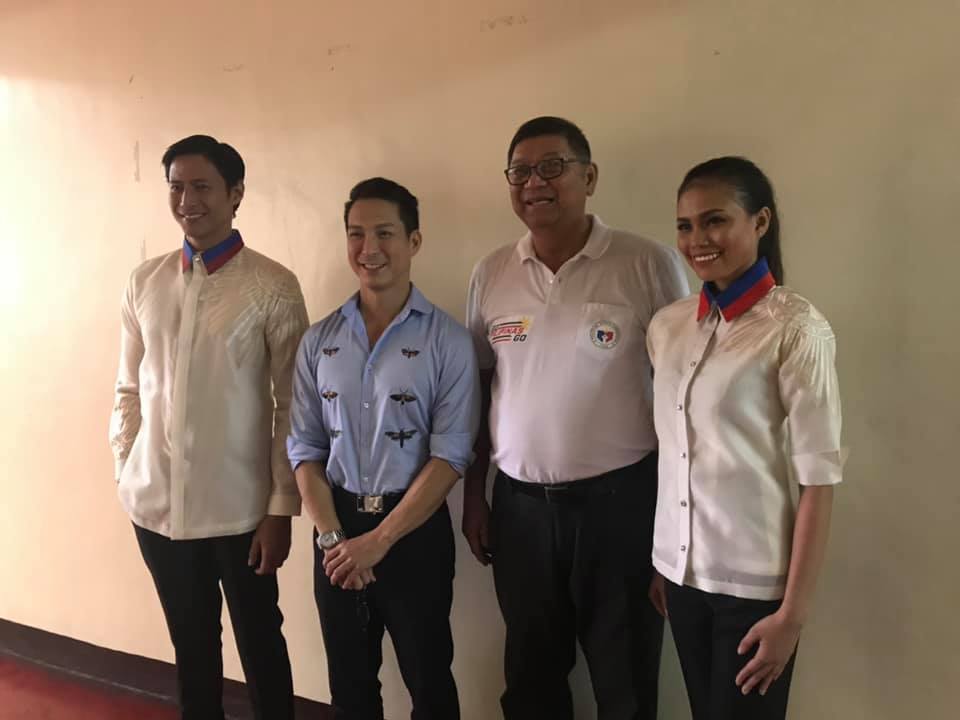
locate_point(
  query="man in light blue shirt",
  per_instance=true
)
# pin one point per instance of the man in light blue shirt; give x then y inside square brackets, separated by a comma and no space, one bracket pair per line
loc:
[385,412]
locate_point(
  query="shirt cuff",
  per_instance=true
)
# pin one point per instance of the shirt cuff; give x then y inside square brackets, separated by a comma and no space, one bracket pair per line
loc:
[300,452]
[823,468]
[284,505]
[453,448]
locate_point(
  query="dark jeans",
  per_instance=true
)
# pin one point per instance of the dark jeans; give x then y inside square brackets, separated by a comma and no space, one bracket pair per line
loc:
[707,629]
[576,566]
[411,599]
[188,575]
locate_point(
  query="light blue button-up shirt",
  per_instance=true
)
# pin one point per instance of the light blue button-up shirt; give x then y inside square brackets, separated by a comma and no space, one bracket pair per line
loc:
[376,417]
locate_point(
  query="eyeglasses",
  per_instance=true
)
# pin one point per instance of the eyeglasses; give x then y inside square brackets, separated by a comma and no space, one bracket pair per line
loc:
[547,169]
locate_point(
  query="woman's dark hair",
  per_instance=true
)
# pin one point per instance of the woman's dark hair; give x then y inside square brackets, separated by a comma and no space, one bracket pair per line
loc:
[379,188]
[753,191]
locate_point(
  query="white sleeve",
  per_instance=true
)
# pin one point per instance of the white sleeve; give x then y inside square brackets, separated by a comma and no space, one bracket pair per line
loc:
[810,394]
[125,418]
[476,323]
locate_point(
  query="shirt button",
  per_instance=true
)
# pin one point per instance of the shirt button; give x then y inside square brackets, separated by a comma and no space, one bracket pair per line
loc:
[683,548]
[693,363]
[679,407]
[366,477]
[683,455]
[366,406]
[683,503]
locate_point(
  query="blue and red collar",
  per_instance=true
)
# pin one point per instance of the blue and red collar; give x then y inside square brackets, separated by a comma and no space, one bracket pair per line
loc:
[216,257]
[742,294]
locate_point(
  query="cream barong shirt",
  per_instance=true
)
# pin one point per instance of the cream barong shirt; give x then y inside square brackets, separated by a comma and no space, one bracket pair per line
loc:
[746,405]
[200,417]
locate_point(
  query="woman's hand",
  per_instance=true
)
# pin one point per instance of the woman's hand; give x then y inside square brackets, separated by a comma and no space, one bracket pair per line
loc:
[777,637]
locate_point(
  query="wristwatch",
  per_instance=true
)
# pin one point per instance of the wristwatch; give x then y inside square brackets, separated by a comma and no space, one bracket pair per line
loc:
[330,539]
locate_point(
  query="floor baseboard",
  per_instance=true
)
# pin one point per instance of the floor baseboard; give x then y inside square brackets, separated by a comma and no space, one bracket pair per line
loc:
[133,673]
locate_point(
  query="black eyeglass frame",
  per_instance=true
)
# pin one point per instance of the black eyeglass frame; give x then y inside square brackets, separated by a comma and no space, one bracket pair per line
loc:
[530,169]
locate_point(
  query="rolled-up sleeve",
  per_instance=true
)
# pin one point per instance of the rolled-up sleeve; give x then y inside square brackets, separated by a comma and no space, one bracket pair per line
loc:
[456,409]
[309,440]
[810,394]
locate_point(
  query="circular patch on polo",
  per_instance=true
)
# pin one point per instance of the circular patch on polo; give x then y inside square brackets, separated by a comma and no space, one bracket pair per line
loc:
[605,334]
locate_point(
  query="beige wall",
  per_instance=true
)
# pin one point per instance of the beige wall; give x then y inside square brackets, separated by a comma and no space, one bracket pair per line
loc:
[852,107]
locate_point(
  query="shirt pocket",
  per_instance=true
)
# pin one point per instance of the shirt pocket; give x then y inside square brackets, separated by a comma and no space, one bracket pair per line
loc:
[606,331]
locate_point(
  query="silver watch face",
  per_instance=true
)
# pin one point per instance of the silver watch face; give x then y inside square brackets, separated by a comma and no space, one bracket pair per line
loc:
[330,539]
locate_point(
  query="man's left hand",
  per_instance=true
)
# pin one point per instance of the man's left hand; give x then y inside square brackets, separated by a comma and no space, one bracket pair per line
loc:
[354,555]
[271,544]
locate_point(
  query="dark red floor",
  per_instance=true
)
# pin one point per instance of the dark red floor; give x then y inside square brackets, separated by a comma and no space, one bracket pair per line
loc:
[28,692]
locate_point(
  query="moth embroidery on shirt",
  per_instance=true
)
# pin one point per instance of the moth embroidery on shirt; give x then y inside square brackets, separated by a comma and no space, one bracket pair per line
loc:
[408,353]
[336,433]
[400,436]
[403,398]
[329,394]
[330,351]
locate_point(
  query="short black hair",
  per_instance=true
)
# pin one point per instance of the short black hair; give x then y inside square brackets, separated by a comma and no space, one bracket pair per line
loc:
[378,188]
[223,157]
[753,190]
[549,125]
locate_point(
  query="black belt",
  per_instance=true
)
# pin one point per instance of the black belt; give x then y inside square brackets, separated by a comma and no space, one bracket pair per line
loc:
[579,490]
[370,504]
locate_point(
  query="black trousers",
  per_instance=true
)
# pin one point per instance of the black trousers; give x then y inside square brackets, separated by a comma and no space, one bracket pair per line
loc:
[411,599]
[707,628]
[188,575]
[576,566]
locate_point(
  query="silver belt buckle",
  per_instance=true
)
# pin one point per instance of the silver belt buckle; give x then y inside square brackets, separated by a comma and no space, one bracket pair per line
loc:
[372,504]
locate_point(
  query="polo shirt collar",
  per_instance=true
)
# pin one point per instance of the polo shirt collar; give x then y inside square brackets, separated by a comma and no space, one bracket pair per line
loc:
[597,243]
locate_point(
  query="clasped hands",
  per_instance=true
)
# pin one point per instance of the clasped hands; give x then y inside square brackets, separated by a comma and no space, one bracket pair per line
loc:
[349,564]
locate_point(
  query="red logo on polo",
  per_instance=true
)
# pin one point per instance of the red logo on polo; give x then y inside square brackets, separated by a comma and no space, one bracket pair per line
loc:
[512,329]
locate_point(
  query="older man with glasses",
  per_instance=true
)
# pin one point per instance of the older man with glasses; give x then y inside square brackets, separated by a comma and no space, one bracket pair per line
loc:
[559,322]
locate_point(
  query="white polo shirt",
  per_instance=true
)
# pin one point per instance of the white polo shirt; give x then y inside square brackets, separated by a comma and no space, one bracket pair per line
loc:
[571,388]
[201,410]
[746,406]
